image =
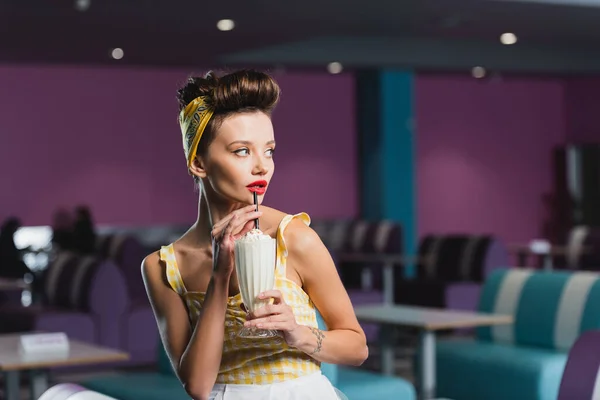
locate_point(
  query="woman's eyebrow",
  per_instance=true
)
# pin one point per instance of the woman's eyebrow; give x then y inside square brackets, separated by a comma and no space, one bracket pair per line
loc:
[247,143]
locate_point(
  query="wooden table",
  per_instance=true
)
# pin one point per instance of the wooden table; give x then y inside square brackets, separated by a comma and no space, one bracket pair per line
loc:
[427,321]
[524,251]
[12,362]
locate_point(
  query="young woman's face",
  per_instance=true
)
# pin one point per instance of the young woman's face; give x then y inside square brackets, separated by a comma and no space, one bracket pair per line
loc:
[239,160]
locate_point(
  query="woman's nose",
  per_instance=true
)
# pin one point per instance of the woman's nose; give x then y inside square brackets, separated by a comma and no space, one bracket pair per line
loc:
[260,167]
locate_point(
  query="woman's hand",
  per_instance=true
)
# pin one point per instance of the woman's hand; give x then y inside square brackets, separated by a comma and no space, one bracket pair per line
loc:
[277,316]
[226,232]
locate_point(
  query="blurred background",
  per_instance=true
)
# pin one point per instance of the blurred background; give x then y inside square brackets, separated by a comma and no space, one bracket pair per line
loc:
[435,145]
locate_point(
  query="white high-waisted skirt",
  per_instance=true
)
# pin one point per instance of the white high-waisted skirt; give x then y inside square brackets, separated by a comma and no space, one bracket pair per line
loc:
[311,387]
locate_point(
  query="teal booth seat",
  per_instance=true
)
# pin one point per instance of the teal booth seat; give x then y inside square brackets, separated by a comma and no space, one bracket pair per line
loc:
[355,383]
[524,360]
[358,384]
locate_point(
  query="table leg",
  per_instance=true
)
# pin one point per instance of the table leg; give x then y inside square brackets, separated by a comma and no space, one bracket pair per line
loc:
[387,350]
[388,284]
[366,279]
[548,263]
[12,389]
[427,367]
[39,383]
[522,258]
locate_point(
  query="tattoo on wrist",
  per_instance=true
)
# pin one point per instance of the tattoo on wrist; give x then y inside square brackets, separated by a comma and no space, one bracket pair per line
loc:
[320,335]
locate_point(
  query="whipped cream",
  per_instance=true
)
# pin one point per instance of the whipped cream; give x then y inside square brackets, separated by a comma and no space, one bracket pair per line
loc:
[254,235]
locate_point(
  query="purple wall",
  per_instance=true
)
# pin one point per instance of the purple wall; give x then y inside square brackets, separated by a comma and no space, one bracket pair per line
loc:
[109,138]
[484,153]
[582,104]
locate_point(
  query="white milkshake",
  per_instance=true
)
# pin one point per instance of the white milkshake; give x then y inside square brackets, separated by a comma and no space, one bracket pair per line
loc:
[255,255]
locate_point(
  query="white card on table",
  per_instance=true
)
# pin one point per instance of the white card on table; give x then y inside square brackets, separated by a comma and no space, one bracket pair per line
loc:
[540,246]
[54,342]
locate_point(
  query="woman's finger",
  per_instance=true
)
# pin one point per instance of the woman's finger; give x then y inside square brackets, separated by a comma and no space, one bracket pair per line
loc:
[223,222]
[238,222]
[275,294]
[229,228]
[245,221]
[269,309]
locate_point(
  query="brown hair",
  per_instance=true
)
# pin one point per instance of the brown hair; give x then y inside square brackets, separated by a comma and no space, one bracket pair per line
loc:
[237,92]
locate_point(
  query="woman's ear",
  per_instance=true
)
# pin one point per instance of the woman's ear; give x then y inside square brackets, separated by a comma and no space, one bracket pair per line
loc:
[198,168]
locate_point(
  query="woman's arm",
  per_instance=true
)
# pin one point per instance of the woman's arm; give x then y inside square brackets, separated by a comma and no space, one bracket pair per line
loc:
[195,354]
[344,342]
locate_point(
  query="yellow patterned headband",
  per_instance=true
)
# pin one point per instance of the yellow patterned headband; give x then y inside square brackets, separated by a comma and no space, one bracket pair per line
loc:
[193,120]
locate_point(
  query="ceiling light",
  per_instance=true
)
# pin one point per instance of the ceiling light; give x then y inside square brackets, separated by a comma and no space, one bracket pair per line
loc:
[508,38]
[334,67]
[117,53]
[225,25]
[478,72]
[82,5]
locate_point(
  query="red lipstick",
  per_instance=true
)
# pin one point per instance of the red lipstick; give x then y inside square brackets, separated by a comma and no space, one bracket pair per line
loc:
[260,187]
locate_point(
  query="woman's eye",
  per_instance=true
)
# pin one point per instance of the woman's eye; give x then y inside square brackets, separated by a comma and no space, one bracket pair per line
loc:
[270,152]
[242,152]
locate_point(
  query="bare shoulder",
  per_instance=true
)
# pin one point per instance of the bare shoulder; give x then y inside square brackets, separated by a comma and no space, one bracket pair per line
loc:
[308,256]
[152,269]
[301,238]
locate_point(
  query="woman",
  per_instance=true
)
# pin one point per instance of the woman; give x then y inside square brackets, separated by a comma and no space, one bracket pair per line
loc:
[84,232]
[62,230]
[11,261]
[229,143]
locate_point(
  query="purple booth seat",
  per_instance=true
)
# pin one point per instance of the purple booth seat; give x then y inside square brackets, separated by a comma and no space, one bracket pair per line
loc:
[81,296]
[138,332]
[127,253]
[581,380]
[465,295]
[87,298]
[453,269]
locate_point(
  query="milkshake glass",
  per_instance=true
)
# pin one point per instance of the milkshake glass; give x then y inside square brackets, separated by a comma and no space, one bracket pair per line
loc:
[255,256]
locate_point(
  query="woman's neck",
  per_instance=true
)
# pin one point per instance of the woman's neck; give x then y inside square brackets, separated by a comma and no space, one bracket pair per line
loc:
[210,212]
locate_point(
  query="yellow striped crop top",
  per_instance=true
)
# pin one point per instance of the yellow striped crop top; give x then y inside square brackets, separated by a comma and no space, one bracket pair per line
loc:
[255,361]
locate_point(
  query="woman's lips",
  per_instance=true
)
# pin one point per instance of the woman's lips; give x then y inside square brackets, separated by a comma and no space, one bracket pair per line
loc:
[258,187]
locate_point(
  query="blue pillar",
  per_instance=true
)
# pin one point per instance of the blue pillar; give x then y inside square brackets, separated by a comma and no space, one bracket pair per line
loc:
[385,113]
